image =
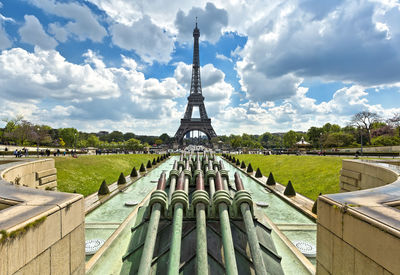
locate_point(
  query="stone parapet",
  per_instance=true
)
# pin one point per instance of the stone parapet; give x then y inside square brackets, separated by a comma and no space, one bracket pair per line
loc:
[359,232]
[40,174]
[360,175]
[42,232]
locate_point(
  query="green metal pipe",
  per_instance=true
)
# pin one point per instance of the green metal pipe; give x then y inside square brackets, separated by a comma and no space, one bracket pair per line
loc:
[212,187]
[253,240]
[151,236]
[201,247]
[229,250]
[225,183]
[175,250]
[186,184]
[172,185]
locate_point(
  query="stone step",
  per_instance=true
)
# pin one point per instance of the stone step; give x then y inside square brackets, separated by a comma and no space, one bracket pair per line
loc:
[46,173]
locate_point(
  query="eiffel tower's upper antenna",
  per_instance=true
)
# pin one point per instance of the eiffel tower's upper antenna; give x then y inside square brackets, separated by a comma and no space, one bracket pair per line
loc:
[195,86]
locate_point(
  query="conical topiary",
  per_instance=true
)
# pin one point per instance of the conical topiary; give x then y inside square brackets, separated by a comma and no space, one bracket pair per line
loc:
[237,162]
[148,164]
[154,162]
[158,159]
[142,169]
[271,180]
[121,179]
[243,165]
[258,173]
[103,190]
[230,158]
[289,190]
[134,172]
[315,205]
[233,160]
[249,168]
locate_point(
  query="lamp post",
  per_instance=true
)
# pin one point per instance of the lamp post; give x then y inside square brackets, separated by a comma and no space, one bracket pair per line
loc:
[320,143]
[74,143]
[37,143]
[361,142]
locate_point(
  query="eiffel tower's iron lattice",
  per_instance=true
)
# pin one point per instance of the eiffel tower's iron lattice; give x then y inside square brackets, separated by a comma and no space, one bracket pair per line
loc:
[195,99]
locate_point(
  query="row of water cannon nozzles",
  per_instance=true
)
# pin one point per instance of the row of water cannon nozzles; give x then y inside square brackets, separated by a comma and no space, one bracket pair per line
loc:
[208,178]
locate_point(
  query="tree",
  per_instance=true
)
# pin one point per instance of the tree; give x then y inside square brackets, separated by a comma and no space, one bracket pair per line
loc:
[158,141]
[93,141]
[236,141]
[128,136]
[266,139]
[165,138]
[134,144]
[314,135]
[338,139]
[364,120]
[62,142]
[386,141]
[69,135]
[116,136]
[395,122]
[290,139]
[11,125]
[23,132]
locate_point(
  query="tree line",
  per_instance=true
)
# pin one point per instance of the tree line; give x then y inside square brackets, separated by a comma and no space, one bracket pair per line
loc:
[365,128]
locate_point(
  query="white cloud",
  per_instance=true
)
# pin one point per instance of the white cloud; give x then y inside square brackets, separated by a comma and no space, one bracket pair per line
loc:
[5,41]
[87,96]
[82,23]
[353,42]
[33,33]
[211,20]
[149,41]
[6,19]
[223,57]
[60,33]
[46,74]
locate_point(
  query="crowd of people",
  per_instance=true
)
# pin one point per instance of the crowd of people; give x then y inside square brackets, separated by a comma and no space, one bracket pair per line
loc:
[24,152]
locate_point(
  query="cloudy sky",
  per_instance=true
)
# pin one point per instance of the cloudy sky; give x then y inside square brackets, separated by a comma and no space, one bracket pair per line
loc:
[266,65]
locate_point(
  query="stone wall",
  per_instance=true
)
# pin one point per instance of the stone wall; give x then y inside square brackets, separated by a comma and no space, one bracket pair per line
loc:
[40,174]
[359,232]
[359,175]
[56,244]
[386,149]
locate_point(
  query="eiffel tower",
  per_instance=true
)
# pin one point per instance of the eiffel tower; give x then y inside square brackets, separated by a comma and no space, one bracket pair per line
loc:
[195,99]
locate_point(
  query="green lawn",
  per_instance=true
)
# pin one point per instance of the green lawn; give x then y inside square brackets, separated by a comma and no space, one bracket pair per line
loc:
[310,175]
[85,173]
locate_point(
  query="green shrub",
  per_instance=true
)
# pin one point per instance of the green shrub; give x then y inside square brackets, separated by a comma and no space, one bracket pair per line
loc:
[258,173]
[386,141]
[154,162]
[103,190]
[158,159]
[289,190]
[243,165]
[249,168]
[315,205]
[121,179]
[142,169]
[271,179]
[237,162]
[134,172]
[148,164]
[233,160]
